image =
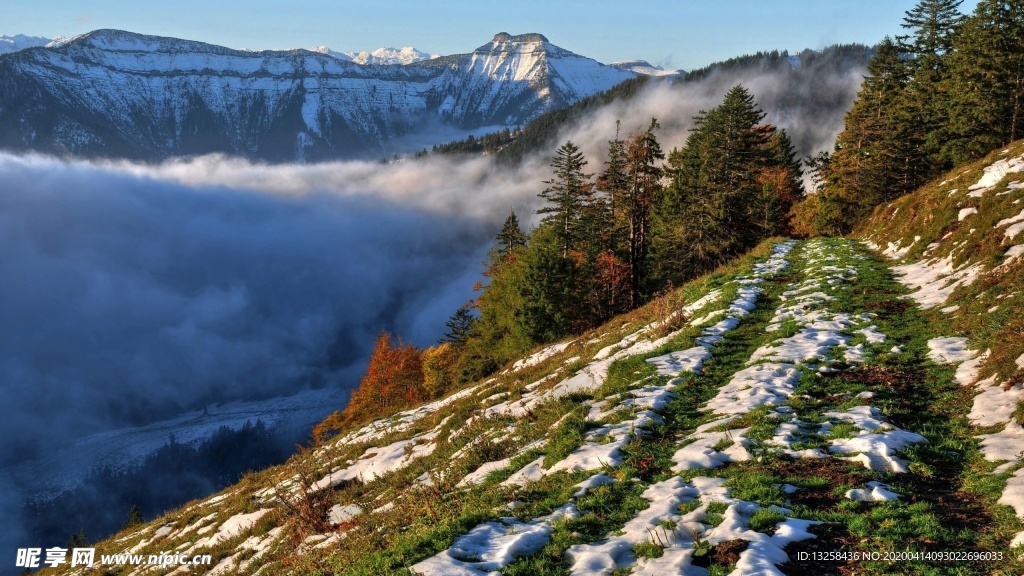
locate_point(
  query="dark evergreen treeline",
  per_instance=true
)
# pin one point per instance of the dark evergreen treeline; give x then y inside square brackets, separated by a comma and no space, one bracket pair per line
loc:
[108,499]
[540,132]
[489,143]
[948,92]
[835,58]
[612,238]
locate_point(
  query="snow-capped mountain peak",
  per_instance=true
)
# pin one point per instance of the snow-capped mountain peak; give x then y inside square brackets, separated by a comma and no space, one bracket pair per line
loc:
[646,68]
[406,55]
[117,93]
[332,53]
[18,42]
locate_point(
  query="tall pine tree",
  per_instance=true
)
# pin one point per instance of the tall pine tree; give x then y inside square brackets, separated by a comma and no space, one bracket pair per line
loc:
[569,192]
[509,239]
[922,108]
[986,81]
[643,191]
[875,160]
[718,179]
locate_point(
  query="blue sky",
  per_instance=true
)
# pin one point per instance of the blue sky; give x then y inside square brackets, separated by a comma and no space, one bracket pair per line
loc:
[680,33]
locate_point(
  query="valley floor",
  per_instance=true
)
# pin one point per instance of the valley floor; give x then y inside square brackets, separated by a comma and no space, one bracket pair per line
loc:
[796,414]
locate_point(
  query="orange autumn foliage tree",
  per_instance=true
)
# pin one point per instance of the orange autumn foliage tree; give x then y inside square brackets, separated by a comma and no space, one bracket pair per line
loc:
[393,381]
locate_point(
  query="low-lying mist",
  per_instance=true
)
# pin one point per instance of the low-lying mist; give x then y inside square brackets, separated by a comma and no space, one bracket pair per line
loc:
[131,292]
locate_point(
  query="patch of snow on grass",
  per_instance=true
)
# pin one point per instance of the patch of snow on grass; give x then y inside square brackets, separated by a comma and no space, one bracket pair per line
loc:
[339,514]
[675,363]
[807,344]
[601,448]
[1013,253]
[875,492]
[592,482]
[492,546]
[530,473]
[953,350]
[995,172]
[755,386]
[399,422]
[994,405]
[541,356]
[876,445]
[617,552]
[934,280]
[377,461]
[1005,445]
[480,474]
[965,212]
[1012,231]
[1013,495]
[872,334]
[701,451]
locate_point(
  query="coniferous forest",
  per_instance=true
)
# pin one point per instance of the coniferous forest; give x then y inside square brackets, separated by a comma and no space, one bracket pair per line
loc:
[655,215]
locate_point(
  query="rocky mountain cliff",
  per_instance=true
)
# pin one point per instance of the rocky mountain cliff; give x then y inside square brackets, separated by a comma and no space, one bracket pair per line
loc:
[111,93]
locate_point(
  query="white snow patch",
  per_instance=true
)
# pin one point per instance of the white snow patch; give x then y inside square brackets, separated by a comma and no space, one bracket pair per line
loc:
[996,171]
[1013,253]
[1012,231]
[755,386]
[601,448]
[375,462]
[994,405]
[542,355]
[675,363]
[876,445]
[875,492]
[616,552]
[1005,445]
[935,279]
[592,482]
[493,545]
[532,472]
[807,344]
[339,513]
[232,527]
[872,334]
[480,474]
[700,452]
[1013,494]
[965,212]
[953,350]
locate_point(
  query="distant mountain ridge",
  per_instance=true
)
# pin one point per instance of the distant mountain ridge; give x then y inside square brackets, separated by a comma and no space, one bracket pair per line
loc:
[646,68]
[9,44]
[111,93]
[380,56]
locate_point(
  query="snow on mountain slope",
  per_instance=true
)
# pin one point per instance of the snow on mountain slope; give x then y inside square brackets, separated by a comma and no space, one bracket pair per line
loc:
[114,93]
[332,53]
[646,68]
[390,56]
[18,42]
[379,57]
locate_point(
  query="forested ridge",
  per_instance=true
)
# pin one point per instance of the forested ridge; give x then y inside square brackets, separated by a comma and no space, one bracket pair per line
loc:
[617,235]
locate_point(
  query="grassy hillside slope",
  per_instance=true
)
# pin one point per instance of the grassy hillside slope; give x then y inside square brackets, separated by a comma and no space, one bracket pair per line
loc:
[814,408]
